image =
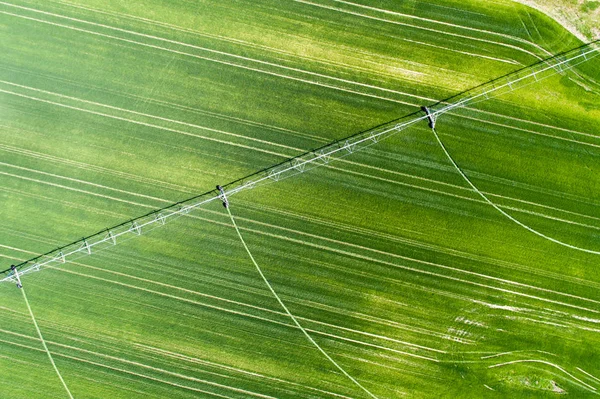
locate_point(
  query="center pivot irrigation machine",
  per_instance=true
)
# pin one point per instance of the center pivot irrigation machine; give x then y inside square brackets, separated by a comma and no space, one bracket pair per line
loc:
[322,156]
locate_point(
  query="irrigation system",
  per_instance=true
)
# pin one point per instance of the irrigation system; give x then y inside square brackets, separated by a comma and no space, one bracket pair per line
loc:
[319,157]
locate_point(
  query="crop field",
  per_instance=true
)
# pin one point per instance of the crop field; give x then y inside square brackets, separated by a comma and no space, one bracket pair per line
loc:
[393,264]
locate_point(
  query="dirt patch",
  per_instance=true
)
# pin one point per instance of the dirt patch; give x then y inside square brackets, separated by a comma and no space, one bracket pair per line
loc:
[557,389]
[580,17]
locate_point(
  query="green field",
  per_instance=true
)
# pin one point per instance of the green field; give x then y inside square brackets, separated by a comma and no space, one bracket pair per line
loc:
[403,274]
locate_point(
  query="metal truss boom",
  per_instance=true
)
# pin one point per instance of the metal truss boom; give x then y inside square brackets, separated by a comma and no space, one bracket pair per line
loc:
[307,161]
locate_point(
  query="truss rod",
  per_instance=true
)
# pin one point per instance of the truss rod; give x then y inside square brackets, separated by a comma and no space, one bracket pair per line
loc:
[515,80]
[300,164]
